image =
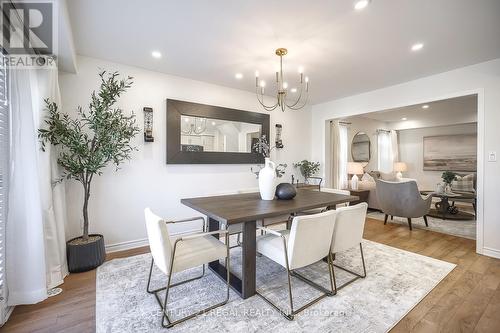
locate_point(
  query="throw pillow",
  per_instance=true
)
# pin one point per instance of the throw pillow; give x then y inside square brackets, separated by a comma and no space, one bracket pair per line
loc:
[367,178]
[391,176]
[463,184]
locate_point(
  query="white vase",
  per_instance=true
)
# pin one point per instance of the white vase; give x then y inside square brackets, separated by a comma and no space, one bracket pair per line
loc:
[267,178]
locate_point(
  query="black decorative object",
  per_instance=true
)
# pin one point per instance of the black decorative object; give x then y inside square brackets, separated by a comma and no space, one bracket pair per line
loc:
[85,256]
[278,141]
[148,125]
[285,191]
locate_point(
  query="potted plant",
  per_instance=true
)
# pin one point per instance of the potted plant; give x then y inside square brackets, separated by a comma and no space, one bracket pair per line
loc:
[307,168]
[448,177]
[88,144]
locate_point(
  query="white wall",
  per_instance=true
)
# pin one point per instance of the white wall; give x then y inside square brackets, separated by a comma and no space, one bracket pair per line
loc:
[483,79]
[411,151]
[118,198]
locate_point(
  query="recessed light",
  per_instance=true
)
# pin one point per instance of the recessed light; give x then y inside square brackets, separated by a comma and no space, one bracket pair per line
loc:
[239,76]
[404,118]
[156,54]
[425,106]
[213,123]
[417,46]
[361,4]
[294,90]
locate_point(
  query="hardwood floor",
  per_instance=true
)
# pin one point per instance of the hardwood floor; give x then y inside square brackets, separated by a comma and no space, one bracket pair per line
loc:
[467,300]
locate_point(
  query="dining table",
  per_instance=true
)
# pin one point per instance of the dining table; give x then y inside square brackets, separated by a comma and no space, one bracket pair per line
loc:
[248,208]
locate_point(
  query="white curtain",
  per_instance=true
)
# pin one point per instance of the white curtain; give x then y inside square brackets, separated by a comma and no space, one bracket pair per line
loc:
[339,145]
[25,248]
[52,192]
[36,247]
[387,150]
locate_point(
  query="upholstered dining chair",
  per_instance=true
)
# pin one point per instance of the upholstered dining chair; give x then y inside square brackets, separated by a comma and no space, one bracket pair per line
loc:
[308,241]
[347,234]
[173,255]
[402,199]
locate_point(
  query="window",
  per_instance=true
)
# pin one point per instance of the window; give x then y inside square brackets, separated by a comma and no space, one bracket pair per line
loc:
[4,163]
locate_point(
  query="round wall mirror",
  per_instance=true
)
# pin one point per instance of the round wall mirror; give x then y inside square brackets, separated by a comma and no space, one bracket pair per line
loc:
[360,148]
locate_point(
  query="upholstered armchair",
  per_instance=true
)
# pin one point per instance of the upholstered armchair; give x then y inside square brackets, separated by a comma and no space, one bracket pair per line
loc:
[402,199]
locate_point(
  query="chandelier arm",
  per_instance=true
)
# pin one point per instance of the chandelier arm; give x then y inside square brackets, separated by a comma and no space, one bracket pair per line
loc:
[266,107]
[300,107]
[298,99]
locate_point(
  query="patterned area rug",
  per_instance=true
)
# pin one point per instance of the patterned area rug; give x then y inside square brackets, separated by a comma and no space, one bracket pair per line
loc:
[397,280]
[466,229]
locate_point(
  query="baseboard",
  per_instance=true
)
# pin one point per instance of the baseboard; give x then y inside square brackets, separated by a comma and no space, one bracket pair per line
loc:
[491,252]
[132,244]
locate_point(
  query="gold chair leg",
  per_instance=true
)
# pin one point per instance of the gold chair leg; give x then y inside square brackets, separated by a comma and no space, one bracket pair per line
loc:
[357,275]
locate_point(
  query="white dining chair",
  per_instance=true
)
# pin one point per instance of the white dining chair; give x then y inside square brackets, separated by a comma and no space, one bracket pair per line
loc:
[308,241]
[173,255]
[348,233]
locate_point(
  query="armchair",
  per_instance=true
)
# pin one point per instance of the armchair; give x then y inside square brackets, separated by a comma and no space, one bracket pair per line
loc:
[402,199]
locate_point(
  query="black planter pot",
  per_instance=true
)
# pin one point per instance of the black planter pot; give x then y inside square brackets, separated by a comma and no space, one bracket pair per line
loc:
[85,257]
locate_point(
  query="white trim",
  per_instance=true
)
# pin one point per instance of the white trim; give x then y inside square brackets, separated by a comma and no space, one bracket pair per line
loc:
[110,248]
[491,252]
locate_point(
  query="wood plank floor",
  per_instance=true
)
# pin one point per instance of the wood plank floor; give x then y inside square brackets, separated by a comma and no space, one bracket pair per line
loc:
[467,300]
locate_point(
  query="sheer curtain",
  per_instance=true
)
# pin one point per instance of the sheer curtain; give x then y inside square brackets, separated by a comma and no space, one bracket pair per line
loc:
[25,254]
[35,236]
[387,147]
[339,144]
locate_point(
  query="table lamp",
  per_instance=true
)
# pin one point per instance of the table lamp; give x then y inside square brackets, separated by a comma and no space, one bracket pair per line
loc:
[400,167]
[354,169]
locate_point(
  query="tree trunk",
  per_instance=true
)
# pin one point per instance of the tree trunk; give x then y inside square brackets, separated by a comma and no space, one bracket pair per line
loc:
[85,212]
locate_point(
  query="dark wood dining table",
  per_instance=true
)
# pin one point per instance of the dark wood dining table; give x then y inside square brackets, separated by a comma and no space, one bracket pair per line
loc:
[248,208]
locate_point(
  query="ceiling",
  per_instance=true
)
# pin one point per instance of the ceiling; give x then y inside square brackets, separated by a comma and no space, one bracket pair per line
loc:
[343,51]
[464,107]
[446,112]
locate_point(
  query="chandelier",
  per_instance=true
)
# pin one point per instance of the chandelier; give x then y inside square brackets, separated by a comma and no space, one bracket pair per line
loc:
[282,89]
[194,127]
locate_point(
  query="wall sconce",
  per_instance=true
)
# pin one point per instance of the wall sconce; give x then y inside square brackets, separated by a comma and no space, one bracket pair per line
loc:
[278,141]
[148,124]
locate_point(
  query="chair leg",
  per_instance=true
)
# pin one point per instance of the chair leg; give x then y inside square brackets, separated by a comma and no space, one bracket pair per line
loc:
[409,224]
[385,218]
[174,284]
[290,273]
[166,321]
[392,217]
[357,275]
[425,220]
[313,284]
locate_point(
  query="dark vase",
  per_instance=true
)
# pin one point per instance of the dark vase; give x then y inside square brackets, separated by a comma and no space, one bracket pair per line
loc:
[285,191]
[85,257]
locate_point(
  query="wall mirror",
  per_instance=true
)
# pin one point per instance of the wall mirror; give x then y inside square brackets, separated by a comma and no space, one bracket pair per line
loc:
[360,148]
[205,134]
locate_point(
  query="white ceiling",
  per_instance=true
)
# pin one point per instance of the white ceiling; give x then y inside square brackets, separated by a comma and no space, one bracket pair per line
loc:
[343,51]
[452,111]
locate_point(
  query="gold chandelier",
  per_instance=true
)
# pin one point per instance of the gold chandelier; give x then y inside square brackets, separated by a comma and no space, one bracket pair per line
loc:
[282,89]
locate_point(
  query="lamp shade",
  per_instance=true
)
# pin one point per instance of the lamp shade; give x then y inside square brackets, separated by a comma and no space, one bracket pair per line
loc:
[354,168]
[400,167]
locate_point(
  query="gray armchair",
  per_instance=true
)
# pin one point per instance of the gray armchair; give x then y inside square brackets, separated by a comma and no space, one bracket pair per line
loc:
[402,199]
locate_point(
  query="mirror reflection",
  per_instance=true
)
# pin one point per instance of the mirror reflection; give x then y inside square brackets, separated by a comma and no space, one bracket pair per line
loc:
[360,147]
[216,135]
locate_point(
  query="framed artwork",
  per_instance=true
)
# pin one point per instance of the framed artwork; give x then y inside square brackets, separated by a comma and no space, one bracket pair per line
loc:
[450,152]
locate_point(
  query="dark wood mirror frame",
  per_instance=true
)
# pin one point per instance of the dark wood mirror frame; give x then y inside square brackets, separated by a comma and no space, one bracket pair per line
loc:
[176,109]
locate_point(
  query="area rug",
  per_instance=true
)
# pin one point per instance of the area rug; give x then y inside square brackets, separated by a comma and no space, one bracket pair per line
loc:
[397,280]
[466,229]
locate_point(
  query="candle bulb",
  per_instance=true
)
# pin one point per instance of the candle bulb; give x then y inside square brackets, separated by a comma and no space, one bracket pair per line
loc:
[301,77]
[256,81]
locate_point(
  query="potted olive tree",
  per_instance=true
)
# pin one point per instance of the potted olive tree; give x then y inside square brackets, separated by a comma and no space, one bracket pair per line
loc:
[87,144]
